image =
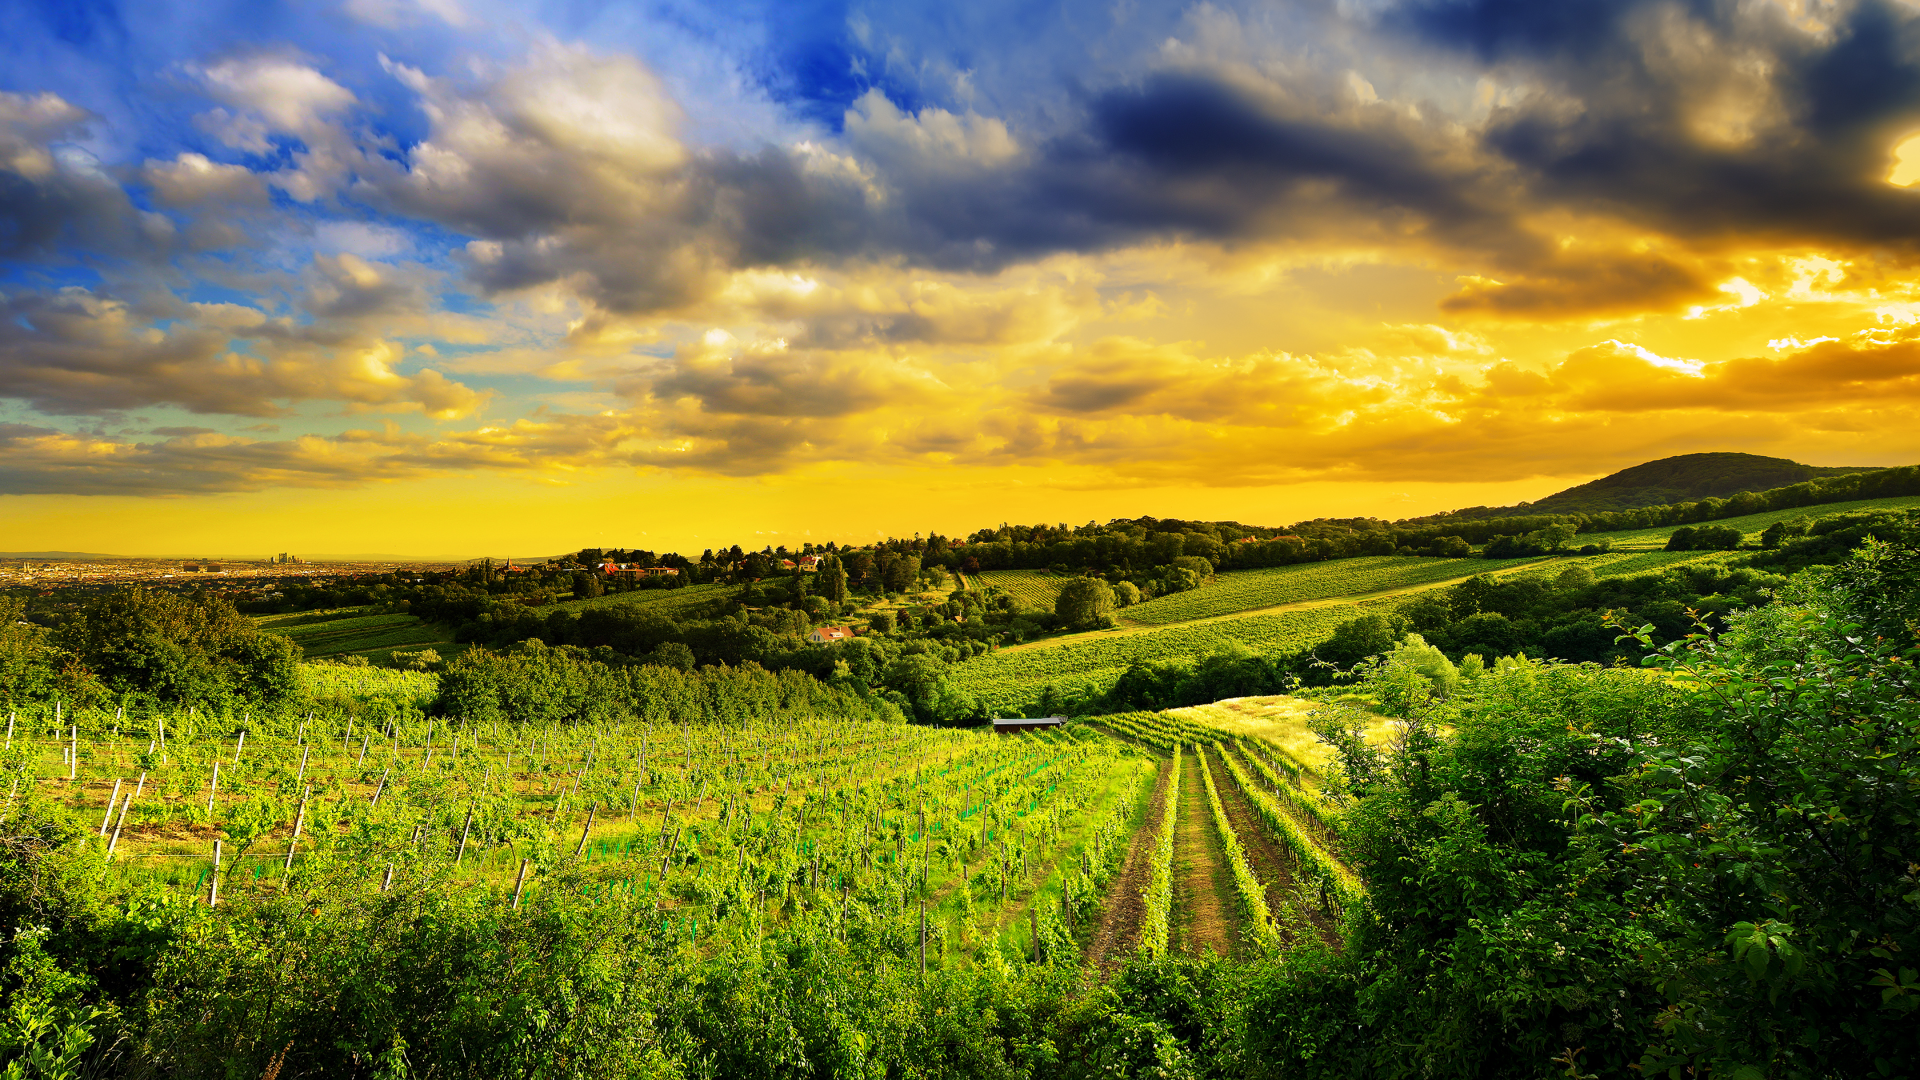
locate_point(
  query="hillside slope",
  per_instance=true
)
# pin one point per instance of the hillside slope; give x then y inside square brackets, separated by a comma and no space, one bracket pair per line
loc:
[1685,478]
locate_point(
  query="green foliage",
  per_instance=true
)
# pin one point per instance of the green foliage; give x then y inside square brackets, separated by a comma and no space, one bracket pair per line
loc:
[1153,927]
[160,648]
[1085,603]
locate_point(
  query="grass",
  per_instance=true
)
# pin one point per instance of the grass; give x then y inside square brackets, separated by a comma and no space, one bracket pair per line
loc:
[1750,525]
[1035,589]
[1244,590]
[664,601]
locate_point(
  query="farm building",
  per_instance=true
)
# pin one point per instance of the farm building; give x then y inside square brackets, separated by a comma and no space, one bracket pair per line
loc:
[1013,725]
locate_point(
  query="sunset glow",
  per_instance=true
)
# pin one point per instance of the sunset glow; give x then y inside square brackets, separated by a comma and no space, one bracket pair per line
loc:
[456,278]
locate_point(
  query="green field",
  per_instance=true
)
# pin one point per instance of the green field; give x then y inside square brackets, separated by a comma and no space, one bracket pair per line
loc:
[1035,589]
[1009,680]
[1245,590]
[1750,525]
[665,601]
[346,630]
[342,681]
[1616,564]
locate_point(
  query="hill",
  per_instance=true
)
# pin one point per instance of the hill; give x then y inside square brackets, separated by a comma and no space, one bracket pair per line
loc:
[1686,478]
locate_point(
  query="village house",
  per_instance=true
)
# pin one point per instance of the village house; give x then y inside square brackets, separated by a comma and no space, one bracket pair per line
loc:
[829,635]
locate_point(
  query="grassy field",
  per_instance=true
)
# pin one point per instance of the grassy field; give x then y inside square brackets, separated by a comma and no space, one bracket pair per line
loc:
[665,601]
[1010,680]
[1751,525]
[1245,590]
[345,631]
[1036,589]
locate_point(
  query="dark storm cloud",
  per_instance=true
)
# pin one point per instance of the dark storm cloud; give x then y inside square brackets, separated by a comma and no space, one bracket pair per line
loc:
[1707,120]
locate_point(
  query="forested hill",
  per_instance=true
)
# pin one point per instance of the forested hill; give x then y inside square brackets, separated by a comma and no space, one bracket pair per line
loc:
[1686,478]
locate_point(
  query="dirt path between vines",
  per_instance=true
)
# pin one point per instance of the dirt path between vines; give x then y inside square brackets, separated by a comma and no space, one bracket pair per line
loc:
[1271,863]
[1119,931]
[1206,913]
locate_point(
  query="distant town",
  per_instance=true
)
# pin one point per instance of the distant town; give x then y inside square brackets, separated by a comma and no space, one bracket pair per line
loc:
[243,577]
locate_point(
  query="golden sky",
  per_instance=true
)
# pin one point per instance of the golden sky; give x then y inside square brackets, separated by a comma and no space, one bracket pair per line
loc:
[449,279]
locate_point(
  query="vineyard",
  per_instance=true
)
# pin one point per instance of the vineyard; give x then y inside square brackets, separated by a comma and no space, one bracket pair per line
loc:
[669,602]
[1245,590]
[1751,525]
[350,630]
[1036,590]
[934,843]
[1010,680]
[326,681]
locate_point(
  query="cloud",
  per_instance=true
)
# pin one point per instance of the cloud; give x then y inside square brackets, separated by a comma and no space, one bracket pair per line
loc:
[55,196]
[78,352]
[1602,285]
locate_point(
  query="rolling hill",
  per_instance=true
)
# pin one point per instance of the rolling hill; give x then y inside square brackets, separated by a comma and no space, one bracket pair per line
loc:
[1685,478]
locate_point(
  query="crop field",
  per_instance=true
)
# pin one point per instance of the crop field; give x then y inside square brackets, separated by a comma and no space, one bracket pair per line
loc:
[934,842]
[329,681]
[1244,590]
[1750,525]
[343,631]
[1035,589]
[1616,564]
[1009,680]
[665,601]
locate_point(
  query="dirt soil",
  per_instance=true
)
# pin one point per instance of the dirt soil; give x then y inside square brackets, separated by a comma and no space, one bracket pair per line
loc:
[1271,862]
[1119,931]
[1206,915]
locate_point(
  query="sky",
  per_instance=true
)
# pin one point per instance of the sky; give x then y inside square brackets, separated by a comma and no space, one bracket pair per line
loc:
[457,277]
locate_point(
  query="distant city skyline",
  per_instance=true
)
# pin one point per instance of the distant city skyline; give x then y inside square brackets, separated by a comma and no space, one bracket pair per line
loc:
[435,276]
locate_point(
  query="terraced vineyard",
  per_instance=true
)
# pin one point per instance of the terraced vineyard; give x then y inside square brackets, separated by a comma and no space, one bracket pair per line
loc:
[1035,589]
[1245,590]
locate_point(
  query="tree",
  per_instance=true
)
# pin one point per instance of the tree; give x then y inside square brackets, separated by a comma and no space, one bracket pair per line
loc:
[900,572]
[1085,603]
[29,662]
[833,580]
[1126,594]
[195,649]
